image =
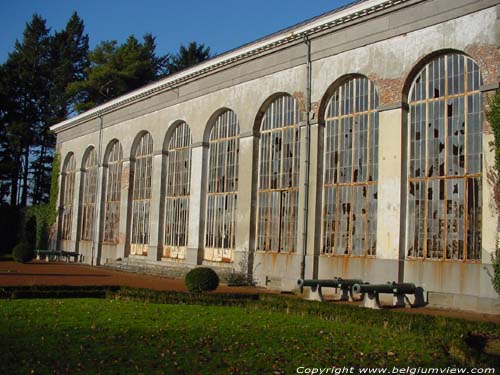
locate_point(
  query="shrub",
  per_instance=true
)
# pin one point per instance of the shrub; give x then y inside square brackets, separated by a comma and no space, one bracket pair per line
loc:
[201,279]
[23,252]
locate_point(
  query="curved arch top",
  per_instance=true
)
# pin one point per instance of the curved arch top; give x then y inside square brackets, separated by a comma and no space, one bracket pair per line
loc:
[265,106]
[416,70]
[69,164]
[142,145]
[89,158]
[113,152]
[222,119]
[179,132]
[326,98]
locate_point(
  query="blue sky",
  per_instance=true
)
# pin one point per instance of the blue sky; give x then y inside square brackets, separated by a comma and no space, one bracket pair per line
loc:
[220,24]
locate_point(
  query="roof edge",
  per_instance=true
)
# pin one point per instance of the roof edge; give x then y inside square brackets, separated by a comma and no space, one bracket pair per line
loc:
[336,17]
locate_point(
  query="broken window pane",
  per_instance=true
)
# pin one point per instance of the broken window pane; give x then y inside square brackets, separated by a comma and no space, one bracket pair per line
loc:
[278,192]
[351,162]
[89,175]
[177,182]
[141,195]
[445,140]
[222,188]
[68,193]
[114,165]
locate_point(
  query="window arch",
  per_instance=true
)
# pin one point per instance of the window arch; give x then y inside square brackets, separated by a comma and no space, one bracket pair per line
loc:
[445,156]
[222,187]
[178,178]
[278,188]
[68,193]
[89,175]
[141,194]
[350,170]
[114,164]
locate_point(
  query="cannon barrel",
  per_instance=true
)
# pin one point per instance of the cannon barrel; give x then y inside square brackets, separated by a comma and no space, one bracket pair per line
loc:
[398,288]
[328,283]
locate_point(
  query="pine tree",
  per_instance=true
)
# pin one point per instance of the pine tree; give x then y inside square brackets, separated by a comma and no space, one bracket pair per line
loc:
[187,57]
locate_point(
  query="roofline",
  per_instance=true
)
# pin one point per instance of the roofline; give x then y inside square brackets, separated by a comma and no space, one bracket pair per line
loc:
[339,16]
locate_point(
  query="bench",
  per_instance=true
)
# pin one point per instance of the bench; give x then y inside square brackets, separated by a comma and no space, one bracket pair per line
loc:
[399,291]
[58,255]
[345,285]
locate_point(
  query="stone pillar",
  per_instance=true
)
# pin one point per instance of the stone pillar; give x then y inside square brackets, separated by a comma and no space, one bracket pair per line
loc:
[123,248]
[75,220]
[98,214]
[197,203]
[391,178]
[245,209]
[155,211]
[314,211]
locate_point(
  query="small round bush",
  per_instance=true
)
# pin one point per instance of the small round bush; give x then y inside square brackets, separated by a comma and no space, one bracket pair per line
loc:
[23,252]
[201,279]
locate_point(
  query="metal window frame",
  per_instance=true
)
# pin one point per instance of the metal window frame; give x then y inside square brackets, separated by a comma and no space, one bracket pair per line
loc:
[141,195]
[68,195]
[222,189]
[346,105]
[89,195]
[278,190]
[177,193]
[114,165]
[418,98]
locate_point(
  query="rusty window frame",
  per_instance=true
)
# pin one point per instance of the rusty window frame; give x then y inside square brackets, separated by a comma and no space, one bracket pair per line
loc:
[350,192]
[68,194]
[89,176]
[141,195]
[278,187]
[444,161]
[222,192]
[177,192]
[112,203]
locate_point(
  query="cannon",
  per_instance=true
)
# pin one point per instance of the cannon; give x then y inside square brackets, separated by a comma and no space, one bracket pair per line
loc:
[399,291]
[345,285]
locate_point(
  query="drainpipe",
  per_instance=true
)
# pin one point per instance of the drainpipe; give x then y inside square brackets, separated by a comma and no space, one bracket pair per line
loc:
[307,158]
[95,239]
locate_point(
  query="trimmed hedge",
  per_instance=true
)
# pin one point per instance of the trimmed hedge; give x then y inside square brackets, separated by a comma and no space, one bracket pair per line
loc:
[57,291]
[201,279]
[23,252]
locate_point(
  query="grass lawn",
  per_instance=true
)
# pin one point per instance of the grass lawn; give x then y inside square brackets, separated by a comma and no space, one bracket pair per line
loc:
[44,336]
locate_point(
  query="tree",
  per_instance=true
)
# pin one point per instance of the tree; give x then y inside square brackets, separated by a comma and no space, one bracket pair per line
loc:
[493,116]
[33,84]
[115,70]
[187,57]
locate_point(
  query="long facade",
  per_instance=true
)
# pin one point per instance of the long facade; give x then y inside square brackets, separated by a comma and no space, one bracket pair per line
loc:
[352,145]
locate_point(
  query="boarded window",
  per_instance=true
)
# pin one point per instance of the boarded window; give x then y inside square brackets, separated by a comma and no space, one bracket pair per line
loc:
[68,193]
[278,192]
[222,188]
[141,195]
[89,175]
[114,163]
[177,193]
[350,175]
[445,152]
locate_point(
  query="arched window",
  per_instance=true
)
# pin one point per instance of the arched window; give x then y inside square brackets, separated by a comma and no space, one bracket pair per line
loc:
[68,193]
[114,163]
[89,175]
[445,152]
[278,189]
[177,193]
[350,175]
[141,195]
[222,188]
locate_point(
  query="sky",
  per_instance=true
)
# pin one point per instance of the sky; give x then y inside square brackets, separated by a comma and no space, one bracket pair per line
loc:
[220,24]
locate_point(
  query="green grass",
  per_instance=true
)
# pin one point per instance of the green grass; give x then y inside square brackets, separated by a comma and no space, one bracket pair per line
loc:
[120,337]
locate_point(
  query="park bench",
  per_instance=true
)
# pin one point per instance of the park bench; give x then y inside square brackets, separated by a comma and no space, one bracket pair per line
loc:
[399,291]
[58,255]
[345,286]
